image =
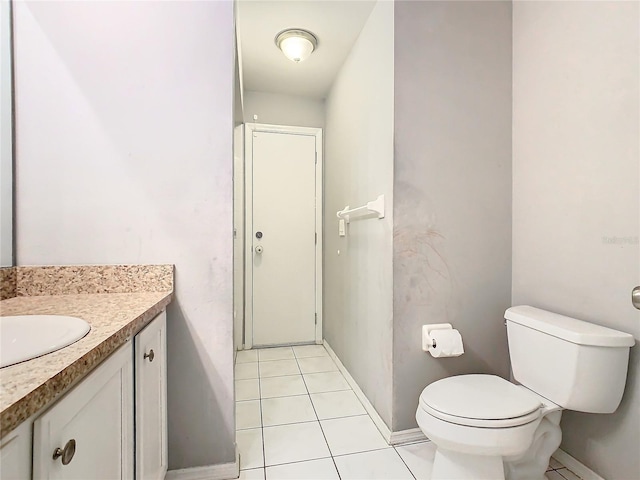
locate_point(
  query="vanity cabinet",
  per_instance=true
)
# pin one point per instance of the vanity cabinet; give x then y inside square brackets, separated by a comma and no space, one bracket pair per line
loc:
[89,432]
[111,425]
[150,346]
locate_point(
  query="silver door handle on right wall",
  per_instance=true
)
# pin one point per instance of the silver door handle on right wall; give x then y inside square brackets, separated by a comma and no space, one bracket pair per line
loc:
[635,297]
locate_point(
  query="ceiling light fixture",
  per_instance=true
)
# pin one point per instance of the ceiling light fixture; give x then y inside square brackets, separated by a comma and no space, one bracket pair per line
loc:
[296,44]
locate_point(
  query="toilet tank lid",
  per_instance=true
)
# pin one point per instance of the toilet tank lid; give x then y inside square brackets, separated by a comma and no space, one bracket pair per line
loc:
[567,328]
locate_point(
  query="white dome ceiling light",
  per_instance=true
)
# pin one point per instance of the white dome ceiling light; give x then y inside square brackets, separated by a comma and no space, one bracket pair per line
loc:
[296,44]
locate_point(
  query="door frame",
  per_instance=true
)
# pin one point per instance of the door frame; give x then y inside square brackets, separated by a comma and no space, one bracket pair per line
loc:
[250,129]
[238,236]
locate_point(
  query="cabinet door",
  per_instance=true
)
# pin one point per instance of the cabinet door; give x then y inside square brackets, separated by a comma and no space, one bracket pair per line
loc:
[151,400]
[97,415]
[15,453]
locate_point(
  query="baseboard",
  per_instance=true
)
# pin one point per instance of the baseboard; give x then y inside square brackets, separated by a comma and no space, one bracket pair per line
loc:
[380,424]
[411,435]
[222,471]
[576,466]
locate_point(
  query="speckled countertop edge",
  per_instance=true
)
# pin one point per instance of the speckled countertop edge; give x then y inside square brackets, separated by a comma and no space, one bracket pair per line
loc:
[29,386]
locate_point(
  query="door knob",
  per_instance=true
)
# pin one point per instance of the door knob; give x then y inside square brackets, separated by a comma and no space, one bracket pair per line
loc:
[66,453]
[635,297]
[259,249]
[149,355]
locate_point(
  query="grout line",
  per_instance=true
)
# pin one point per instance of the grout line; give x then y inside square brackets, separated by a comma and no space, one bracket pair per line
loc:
[320,424]
[344,416]
[405,463]
[276,360]
[264,455]
[276,376]
[366,451]
[298,461]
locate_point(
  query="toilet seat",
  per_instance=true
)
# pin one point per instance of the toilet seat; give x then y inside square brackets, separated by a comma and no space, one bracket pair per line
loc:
[485,401]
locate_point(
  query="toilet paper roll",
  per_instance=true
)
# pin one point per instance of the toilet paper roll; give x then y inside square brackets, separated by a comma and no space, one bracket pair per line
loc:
[448,343]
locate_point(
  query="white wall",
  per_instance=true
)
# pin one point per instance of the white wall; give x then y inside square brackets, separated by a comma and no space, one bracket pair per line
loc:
[278,109]
[359,167]
[452,190]
[576,191]
[124,141]
[6,138]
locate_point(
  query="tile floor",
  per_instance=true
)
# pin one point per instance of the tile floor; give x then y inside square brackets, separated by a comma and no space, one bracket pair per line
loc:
[297,418]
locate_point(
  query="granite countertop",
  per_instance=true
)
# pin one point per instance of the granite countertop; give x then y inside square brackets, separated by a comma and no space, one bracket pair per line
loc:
[27,387]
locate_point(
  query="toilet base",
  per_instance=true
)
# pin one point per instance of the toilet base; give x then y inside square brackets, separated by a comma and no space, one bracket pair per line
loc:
[533,463]
[448,465]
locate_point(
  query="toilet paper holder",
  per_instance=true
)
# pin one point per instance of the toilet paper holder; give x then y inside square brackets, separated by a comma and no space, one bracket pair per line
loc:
[427,341]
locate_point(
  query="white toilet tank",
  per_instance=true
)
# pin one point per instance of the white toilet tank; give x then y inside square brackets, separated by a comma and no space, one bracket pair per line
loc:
[575,364]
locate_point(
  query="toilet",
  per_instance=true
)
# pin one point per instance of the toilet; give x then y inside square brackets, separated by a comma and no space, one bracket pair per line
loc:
[485,427]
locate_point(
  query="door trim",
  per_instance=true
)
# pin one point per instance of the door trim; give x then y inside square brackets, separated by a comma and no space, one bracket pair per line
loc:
[250,128]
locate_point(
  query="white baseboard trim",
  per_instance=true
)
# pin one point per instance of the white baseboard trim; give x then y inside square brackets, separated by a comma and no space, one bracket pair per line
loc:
[222,471]
[576,466]
[382,427]
[411,435]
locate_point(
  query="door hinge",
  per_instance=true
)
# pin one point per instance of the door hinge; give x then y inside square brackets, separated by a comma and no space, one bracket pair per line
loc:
[316,158]
[316,238]
[316,318]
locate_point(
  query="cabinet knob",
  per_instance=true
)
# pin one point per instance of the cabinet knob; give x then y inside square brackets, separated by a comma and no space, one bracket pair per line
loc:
[66,453]
[149,355]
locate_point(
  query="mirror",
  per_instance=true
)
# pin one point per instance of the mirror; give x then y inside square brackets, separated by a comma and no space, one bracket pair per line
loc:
[6,138]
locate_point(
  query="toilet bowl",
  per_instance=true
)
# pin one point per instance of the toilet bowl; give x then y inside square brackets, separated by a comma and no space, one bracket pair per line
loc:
[477,421]
[485,427]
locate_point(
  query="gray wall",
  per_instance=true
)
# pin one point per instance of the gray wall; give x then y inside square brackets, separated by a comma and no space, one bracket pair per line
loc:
[124,132]
[576,205]
[278,109]
[357,306]
[452,211]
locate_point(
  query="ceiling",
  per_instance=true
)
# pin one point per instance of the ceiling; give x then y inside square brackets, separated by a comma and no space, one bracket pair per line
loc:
[336,24]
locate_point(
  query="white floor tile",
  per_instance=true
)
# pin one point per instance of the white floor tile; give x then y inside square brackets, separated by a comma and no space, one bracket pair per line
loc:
[282,386]
[247,356]
[282,410]
[380,464]
[322,469]
[317,364]
[278,353]
[568,474]
[337,404]
[419,458]
[325,382]
[352,435]
[253,474]
[250,448]
[305,351]
[246,371]
[247,389]
[248,415]
[294,443]
[279,368]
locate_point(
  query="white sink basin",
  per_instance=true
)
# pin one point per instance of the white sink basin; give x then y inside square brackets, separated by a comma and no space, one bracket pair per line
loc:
[23,337]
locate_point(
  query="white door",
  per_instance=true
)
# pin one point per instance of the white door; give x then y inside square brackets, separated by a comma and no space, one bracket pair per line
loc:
[282,204]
